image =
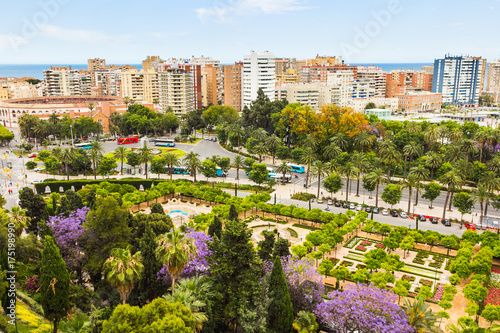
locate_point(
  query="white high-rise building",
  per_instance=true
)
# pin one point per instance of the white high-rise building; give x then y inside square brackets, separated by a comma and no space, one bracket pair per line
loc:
[375,77]
[61,81]
[176,90]
[258,73]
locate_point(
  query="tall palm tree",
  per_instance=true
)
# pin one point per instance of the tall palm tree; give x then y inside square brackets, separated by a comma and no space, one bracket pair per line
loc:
[145,156]
[192,163]
[19,218]
[469,147]
[319,169]
[122,270]
[67,156]
[237,129]
[120,153]
[481,138]
[413,127]
[452,180]
[453,153]
[409,183]
[56,152]
[260,134]
[172,161]
[238,164]
[494,165]
[272,143]
[421,173]
[308,158]
[175,251]
[491,182]
[420,317]
[360,161]
[348,171]
[340,140]
[481,195]
[377,176]
[284,168]
[433,161]
[309,141]
[390,157]
[413,149]
[260,150]
[362,140]
[332,151]
[95,154]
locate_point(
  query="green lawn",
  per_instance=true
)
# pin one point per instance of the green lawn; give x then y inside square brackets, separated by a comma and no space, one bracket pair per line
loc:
[179,153]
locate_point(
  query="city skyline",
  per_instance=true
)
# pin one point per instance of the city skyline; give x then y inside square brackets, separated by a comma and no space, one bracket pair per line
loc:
[60,31]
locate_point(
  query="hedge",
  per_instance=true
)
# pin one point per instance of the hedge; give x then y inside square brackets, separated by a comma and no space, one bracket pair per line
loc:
[78,184]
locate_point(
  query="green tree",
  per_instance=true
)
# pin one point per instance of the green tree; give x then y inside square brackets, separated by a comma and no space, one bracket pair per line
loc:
[318,170]
[121,154]
[172,161]
[192,163]
[238,164]
[175,251]
[215,113]
[348,171]
[401,288]
[259,173]
[299,250]
[333,183]
[149,287]
[340,274]
[145,156]
[420,317]
[284,168]
[377,176]
[281,307]
[464,203]
[475,292]
[157,208]
[266,246]
[281,248]
[54,283]
[374,259]
[96,151]
[391,194]
[452,180]
[133,159]
[272,143]
[308,157]
[35,207]
[122,270]
[67,156]
[305,323]
[491,313]
[106,166]
[432,191]
[208,169]
[215,228]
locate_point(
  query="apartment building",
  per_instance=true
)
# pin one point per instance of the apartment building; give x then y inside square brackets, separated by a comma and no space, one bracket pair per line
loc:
[419,101]
[493,77]
[214,83]
[459,79]
[176,90]
[151,62]
[107,82]
[359,104]
[376,78]
[232,85]
[305,94]
[141,86]
[325,61]
[64,81]
[258,73]
[319,73]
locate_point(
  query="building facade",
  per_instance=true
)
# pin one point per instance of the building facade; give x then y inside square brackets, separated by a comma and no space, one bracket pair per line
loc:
[458,79]
[305,94]
[375,77]
[419,102]
[141,86]
[232,85]
[493,77]
[64,81]
[176,90]
[258,73]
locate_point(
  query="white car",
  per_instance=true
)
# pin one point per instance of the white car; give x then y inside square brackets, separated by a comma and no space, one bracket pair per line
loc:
[403,215]
[36,181]
[358,207]
[352,207]
[330,202]
[40,168]
[385,212]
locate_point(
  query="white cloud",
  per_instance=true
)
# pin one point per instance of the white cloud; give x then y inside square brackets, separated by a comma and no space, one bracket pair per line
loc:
[224,11]
[12,41]
[77,35]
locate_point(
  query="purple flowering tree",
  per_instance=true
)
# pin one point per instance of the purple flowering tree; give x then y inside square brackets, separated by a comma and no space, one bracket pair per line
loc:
[362,308]
[68,232]
[199,265]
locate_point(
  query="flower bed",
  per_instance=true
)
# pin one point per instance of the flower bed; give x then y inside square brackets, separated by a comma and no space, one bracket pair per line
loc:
[436,264]
[425,282]
[380,246]
[361,248]
[360,266]
[438,294]
[493,296]
[347,263]
[495,269]
[409,278]
[334,261]
[422,255]
[418,260]
[366,243]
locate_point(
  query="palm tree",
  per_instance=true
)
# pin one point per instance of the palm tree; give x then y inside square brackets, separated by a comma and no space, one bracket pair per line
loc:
[481,195]
[390,157]
[332,151]
[413,149]
[469,147]
[452,180]
[491,182]
[260,134]
[431,135]
[145,156]
[420,317]
[272,143]
[348,171]
[189,293]
[308,158]
[309,141]
[18,216]
[421,173]
[433,161]
[410,183]
[360,161]
[67,156]
[481,138]
[56,152]
[319,169]
[122,270]
[362,140]
[453,153]
[260,150]
[305,323]
[340,140]
[95,153]
[237,129]
[413,127]
[494,165]
[175,251]
[376,176]
[238,164]
[192,163]
[91,108]
[172,161]
[284,168]
[120,153]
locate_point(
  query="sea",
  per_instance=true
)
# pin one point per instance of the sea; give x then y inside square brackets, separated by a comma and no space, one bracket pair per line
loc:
[36,71]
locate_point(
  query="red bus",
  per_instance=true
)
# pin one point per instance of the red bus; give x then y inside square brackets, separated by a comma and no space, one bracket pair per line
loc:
[125,141]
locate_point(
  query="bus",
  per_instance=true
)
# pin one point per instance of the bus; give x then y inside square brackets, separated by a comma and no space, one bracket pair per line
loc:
[126,141]
[297,168]
[180,171]
[220,173]
[279,177]
[83,145]
[165,143]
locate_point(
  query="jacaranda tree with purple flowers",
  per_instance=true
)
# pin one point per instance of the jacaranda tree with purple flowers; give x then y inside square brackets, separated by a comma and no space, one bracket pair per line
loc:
[362,308]
[68,232]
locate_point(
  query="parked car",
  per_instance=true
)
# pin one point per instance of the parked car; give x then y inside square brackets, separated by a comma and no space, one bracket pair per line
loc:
[329,202]
[447,223]
[358,207]
[433,220]
[32,155]
[352,206]
[319,200]
[376,210]
[368,209]
[470,226]
[421,218]
[385,212]
[337,203]
[39,168]
[394,213]
[403,215]
[345,205]
[443,221]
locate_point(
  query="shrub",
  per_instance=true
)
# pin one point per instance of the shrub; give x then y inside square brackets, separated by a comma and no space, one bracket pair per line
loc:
[30,165]
[303,196]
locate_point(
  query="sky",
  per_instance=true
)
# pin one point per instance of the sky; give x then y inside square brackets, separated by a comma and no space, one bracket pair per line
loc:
[361,31]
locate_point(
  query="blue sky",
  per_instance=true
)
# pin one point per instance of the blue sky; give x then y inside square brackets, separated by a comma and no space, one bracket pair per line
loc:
[71,31]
